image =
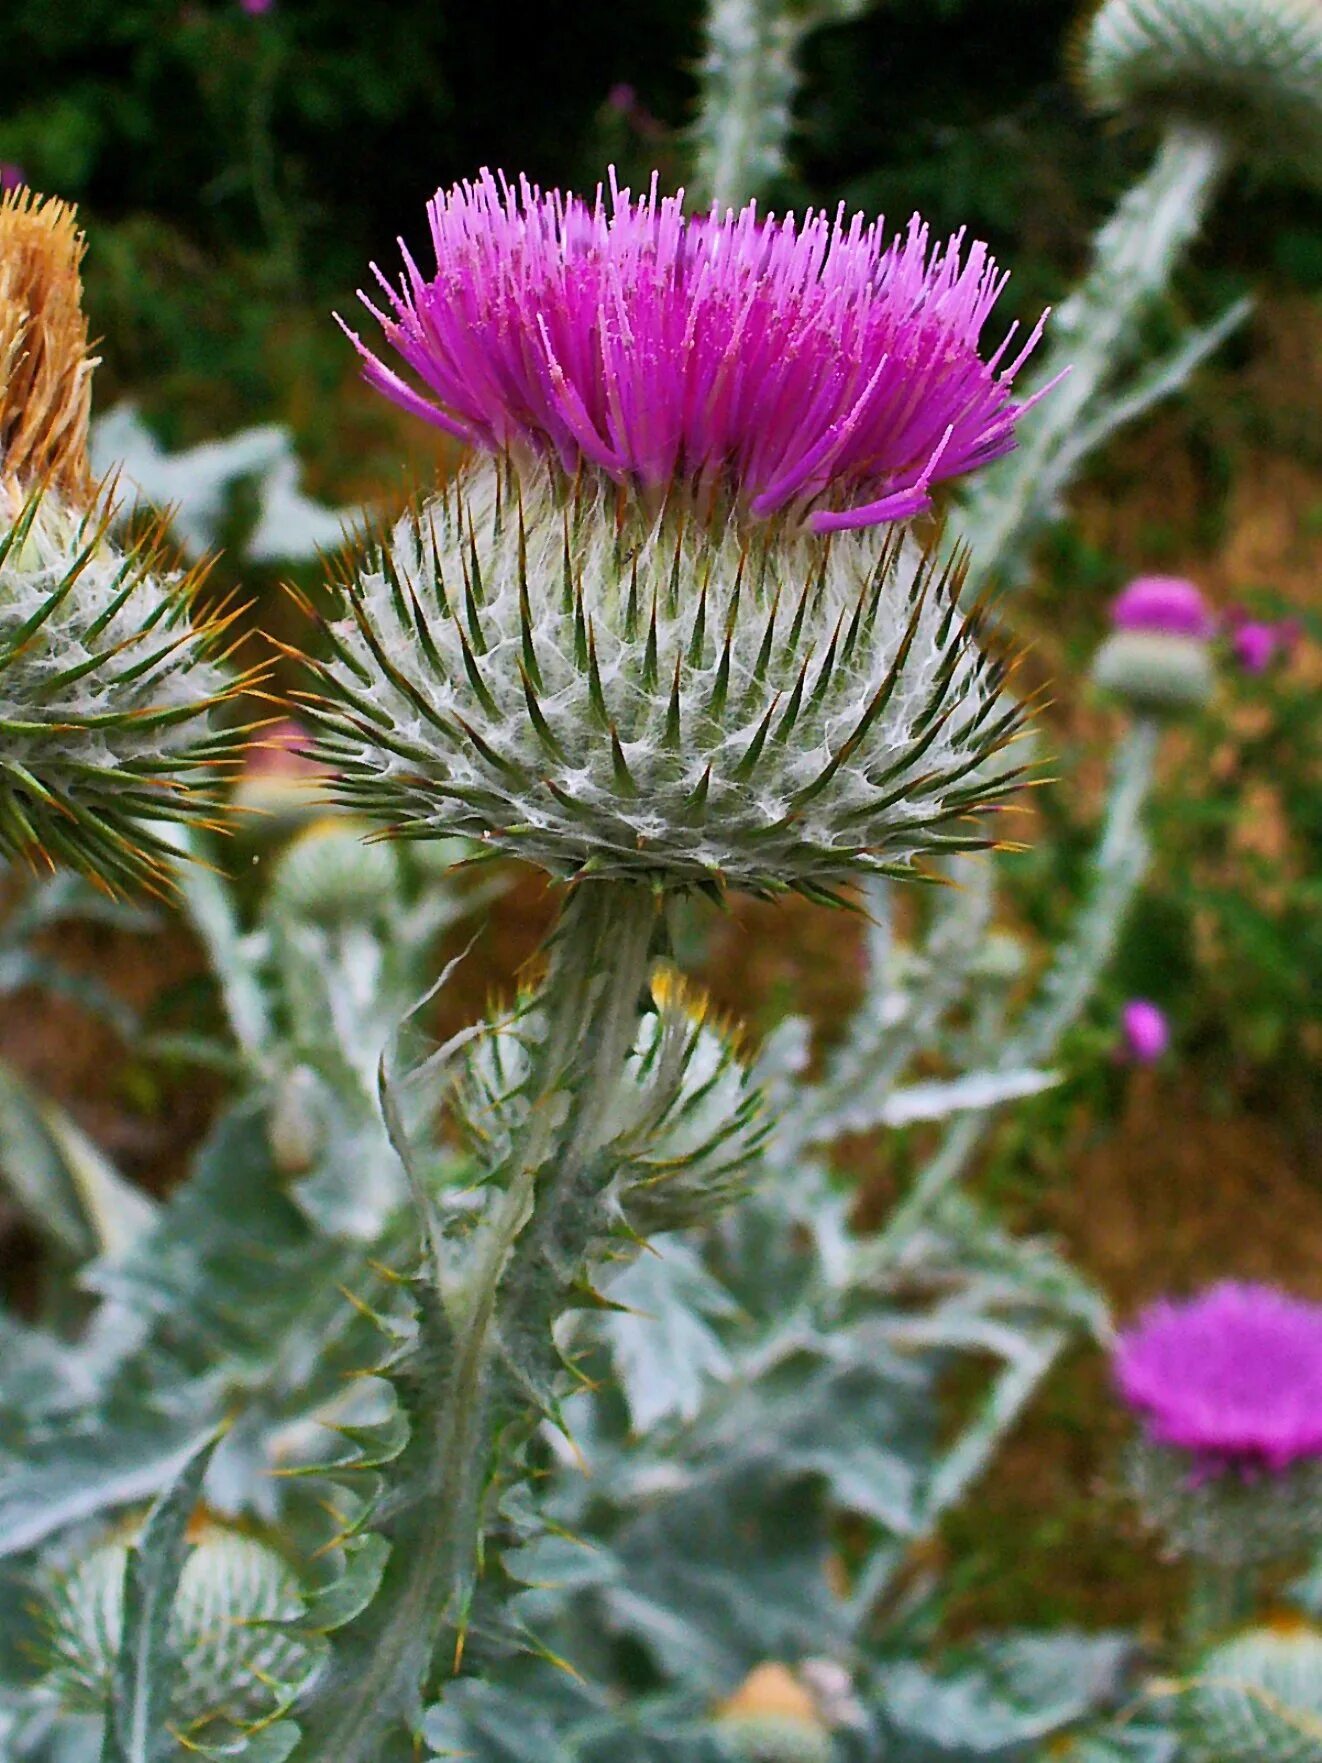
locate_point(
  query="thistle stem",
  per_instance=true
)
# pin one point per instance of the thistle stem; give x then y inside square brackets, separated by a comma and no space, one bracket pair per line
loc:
[1117,869]
[750,77]
[1221,1598]
[497,1376]
[1092,335]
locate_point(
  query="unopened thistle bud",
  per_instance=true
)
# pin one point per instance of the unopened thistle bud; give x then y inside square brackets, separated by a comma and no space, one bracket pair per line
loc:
[1158,656]
[332,876]
[1256,1699]
[686,1127]
[106,685]
[649,631]
[1227,1388]
[774,1718]
[237,1665]
[1249,71]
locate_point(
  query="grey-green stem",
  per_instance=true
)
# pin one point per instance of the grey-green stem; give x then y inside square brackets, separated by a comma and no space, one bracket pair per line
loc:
[1117,869]
[499,1320]
[1093,335]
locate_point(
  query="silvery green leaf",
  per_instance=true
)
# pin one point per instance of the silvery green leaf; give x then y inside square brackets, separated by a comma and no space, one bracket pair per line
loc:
[726,1573]
[1006,1696]
[939,1100]
[137,1728]
[663,1348]
[65,1186]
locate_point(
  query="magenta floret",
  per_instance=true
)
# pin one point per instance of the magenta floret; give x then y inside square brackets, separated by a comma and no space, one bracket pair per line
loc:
[1233,1376]
[1165,603]
[815,365]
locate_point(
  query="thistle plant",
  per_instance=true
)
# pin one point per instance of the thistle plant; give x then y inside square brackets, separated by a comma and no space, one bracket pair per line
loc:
[649,638]
[108,678]
[1228,1463]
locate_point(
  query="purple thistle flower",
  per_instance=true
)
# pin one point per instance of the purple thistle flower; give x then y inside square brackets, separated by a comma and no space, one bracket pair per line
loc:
[810,365]
[1233,1376]
[1164,603]
[11,175]
[1146,1031]
[1257,643]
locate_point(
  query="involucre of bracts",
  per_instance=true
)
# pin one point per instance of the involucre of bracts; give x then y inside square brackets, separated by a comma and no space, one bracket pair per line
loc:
[238,1663]
[1227,1516]
[1248,70]
[602,686]
[1256,1699]
[108,683]
[686,1127]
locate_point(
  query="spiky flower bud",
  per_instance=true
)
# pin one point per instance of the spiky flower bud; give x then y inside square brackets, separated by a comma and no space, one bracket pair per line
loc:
[107,684]
[236,1664]
[650,634]
[332,876]
[1256,1699]
[685,1129]
[1228,1390]
[1249,70]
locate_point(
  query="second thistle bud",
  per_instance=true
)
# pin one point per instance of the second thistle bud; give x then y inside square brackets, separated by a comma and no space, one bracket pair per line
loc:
[1158,656]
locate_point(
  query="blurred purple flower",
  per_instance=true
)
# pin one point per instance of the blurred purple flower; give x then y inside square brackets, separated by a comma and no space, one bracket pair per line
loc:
[811,366]
[256,8]
[1147,1032]
[622,97]
[1233,1375]
[11,175]
[1257,643]
[1165,603]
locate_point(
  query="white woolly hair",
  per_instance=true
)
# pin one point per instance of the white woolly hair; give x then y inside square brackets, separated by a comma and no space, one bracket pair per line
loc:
[1250,70]
[545,667]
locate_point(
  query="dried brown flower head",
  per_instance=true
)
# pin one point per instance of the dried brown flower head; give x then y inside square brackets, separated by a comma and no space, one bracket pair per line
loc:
[45,363]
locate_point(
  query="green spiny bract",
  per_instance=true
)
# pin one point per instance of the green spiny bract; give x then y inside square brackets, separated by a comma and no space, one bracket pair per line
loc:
[106,690]
[686,1129]
[1249,70]
[1224,1517]
[685,700]
[1256,1699]
[240,1661]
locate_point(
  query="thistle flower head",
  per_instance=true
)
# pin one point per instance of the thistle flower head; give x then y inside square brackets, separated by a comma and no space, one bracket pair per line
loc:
[1256,1699]
[1227,1388]
[1147,1033]
[1250,70]
[236,1665]
[1259,643]
[646,631]
[1233,1375]
[812,366]
[1157,656]
[106,681]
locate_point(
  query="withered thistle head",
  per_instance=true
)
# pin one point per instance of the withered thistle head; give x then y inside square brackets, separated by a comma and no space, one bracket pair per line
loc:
[45,363]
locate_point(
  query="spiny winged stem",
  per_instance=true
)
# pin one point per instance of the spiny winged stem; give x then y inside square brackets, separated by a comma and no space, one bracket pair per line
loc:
[750,76]
[1117,869]
[1092,334]
[497,1378]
